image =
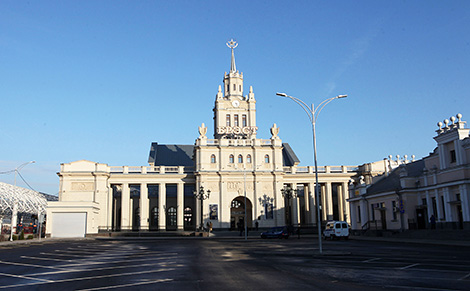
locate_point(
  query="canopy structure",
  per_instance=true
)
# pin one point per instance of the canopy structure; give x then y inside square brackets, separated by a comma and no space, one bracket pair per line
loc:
[29,201]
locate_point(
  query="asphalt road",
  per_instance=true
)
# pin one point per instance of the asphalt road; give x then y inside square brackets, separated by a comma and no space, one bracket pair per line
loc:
[232,264]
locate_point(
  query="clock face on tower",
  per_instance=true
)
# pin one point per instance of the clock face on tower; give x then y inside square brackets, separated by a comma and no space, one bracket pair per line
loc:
[235,103]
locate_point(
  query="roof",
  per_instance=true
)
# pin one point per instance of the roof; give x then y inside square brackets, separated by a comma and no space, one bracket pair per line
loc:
[28,201]
[289,157]
[392,181]
[171,155]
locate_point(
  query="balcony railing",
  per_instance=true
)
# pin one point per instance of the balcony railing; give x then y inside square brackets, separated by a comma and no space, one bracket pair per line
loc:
[151,170]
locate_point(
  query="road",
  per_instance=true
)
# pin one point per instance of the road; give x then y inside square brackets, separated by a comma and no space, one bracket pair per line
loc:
[232,264]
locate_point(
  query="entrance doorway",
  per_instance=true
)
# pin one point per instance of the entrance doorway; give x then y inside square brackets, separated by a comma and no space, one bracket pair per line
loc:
[237,213]
[421,218]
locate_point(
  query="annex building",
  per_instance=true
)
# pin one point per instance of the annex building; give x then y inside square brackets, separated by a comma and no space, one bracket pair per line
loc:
[232,164]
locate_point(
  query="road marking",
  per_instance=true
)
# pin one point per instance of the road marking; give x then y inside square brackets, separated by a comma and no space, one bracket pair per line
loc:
[464,277]
[95,269]
[29,265]
[371,260]
[114,262]
[25,277]
[88,278]
[128,285]
[409,266]
[45,259]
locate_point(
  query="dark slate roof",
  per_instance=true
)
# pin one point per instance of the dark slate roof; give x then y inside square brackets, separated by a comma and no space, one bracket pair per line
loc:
[288,156]
[50,197]
[392,181]
[171,155]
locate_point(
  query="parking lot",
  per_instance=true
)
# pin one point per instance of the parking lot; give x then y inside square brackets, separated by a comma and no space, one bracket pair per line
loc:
[232,264]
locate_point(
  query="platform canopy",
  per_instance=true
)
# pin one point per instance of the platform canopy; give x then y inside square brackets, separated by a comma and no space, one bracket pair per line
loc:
[29,201]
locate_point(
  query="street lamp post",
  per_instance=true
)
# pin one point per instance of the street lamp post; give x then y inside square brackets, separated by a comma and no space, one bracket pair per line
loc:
[313,113]
[14,211]
[202,195]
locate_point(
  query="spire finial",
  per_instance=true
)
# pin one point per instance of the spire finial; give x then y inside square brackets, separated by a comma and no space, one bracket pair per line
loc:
[232,44]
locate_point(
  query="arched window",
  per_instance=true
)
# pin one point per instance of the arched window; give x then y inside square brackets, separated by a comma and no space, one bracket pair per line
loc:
[230,159]
[266,159]
[213,159]
[240,159]
[248,159]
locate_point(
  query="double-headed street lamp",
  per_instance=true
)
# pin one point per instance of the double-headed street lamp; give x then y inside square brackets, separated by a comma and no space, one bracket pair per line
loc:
[202,195]
[313,113]
[289,193]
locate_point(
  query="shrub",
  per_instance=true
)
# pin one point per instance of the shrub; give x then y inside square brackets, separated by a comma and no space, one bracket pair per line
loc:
[30,236]
[21,235]
[15,237]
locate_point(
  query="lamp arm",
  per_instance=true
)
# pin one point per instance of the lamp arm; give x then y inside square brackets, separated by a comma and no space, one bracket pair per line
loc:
[319,108]
[304,107]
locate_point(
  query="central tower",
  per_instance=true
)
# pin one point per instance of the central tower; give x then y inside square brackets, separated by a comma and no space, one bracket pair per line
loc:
[234,114]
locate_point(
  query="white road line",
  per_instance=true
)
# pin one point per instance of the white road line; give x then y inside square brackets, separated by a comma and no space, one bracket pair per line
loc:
[29,265]
[25,277]
[95,269]
[409,266]
[417,288]
[464,277]
[108,262]
[87,278]
[127,285]
[45,259]
[371,260]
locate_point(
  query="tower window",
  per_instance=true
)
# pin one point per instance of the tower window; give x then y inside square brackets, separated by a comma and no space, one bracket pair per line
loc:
[266,159]
[228,120]
[240,159]
[213,159]
[248,159]
[244,120]
[228,88]
[235,121]
[240,88]
[453,157]
[234,87]
[230,159]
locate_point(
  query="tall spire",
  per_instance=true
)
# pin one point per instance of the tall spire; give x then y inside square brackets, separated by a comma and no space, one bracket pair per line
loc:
[232,44]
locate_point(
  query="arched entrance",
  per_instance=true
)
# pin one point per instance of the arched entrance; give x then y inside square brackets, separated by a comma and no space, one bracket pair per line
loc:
[237,212]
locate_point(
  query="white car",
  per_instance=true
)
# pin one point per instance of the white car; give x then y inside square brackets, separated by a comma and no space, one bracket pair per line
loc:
[336,229]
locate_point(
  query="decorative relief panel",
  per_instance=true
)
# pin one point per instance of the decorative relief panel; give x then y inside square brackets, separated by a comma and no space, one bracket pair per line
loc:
[239,186]
[82,186]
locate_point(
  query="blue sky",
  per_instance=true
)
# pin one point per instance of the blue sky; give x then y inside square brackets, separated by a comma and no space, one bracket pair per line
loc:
[101,80]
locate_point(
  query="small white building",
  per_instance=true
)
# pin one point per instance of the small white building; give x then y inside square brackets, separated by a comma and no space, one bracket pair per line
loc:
[409,193]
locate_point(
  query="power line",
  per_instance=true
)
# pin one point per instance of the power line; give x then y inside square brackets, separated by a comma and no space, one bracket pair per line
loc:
[19,174]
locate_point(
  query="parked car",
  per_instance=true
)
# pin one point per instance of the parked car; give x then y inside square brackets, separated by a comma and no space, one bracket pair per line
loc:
[276,232]
[336,229]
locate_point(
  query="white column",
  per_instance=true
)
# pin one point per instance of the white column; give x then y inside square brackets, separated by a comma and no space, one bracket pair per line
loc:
[109,222]
[295,207]
[180,206]
[465,200]
[449,216]
[307,204]
[161,207]
[144,207]
[324,207]
[346,211]
[339,190]
[429,204]
[353,216]
[278,203]
[438,206]
[311,201]
[329,201]
[125,207]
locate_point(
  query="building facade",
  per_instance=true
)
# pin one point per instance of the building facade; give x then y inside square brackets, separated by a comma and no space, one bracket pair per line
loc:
[433,192]
[244,174]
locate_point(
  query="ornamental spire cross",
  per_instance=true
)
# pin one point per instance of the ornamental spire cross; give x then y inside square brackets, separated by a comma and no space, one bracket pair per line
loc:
[232,44]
